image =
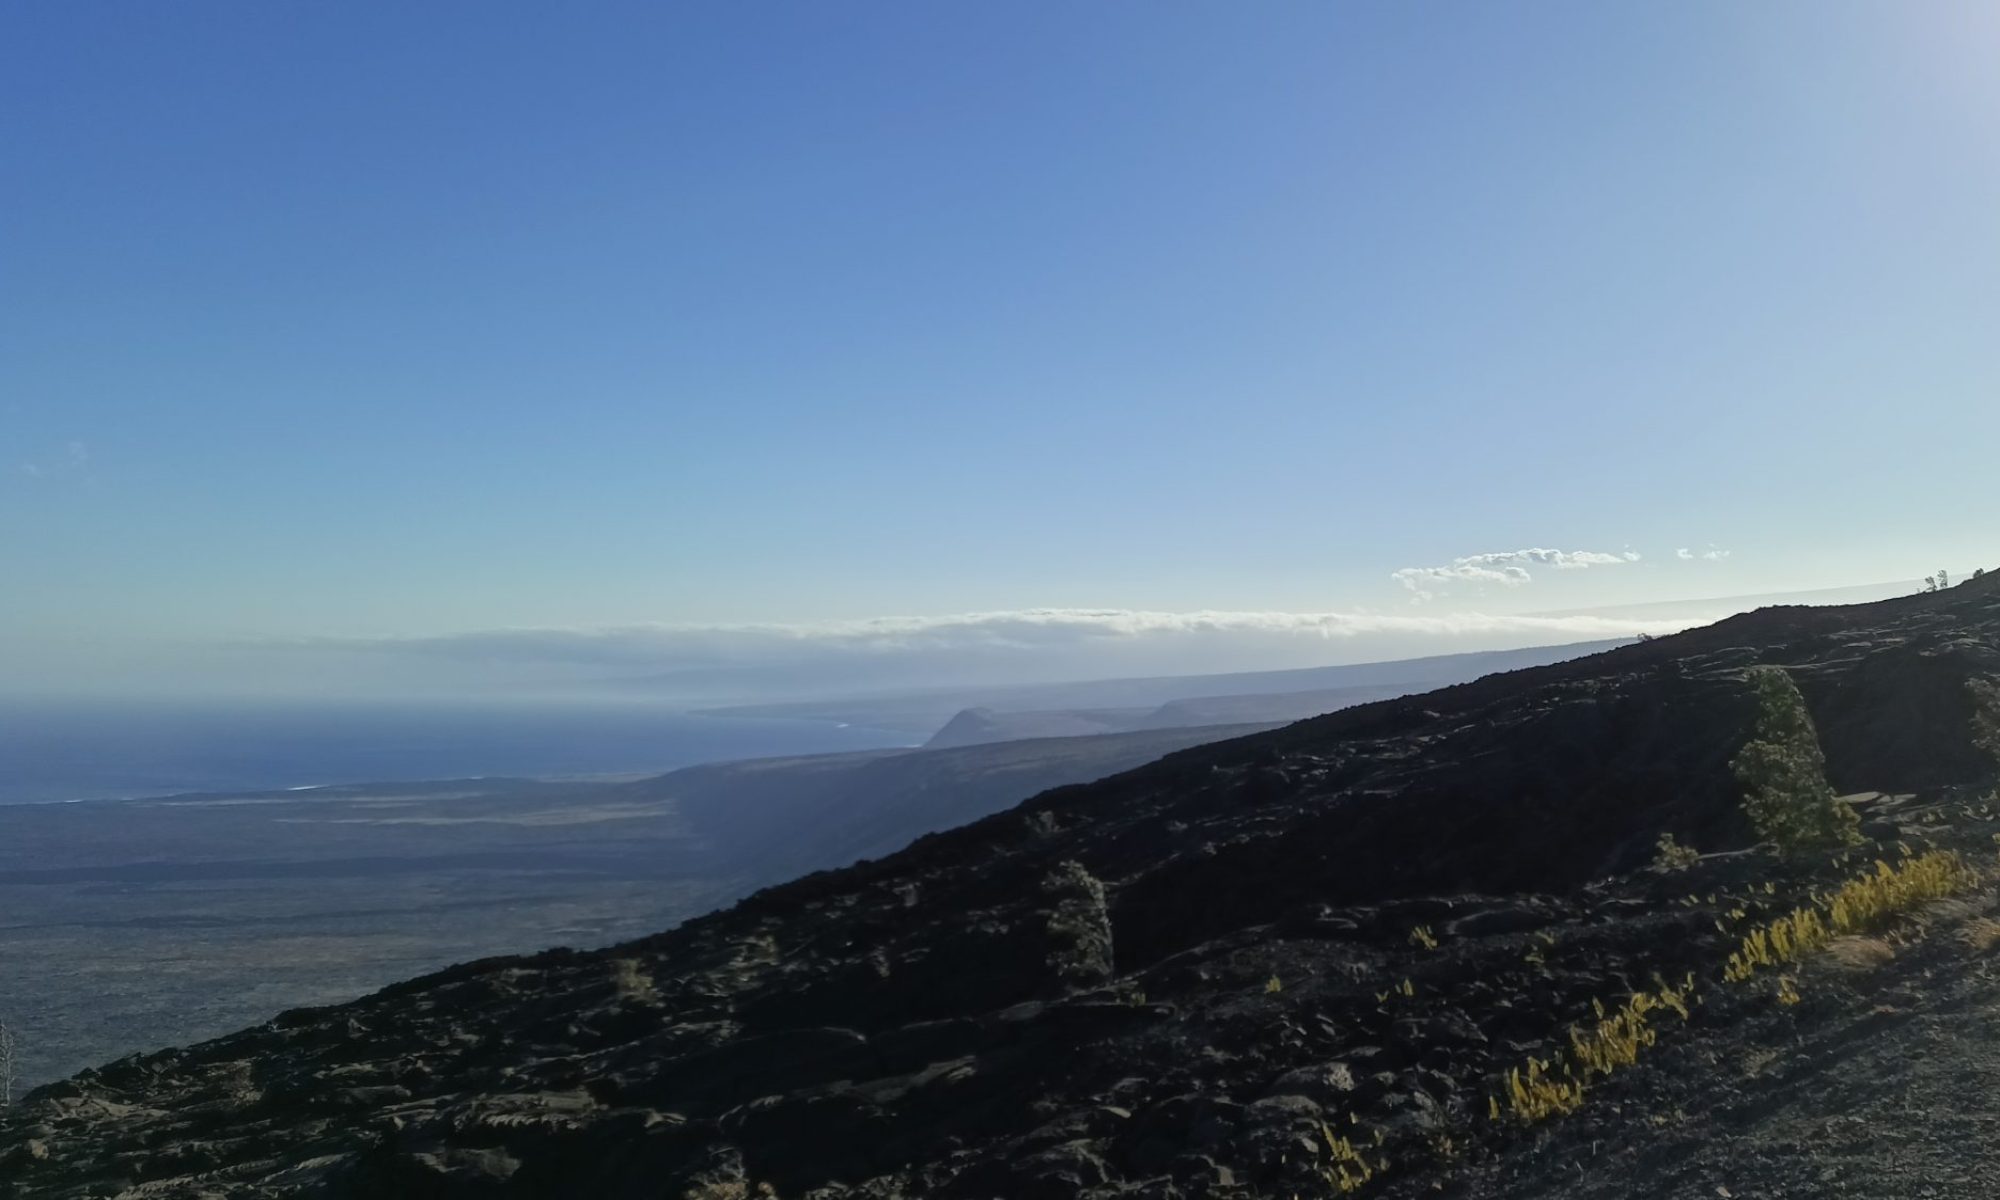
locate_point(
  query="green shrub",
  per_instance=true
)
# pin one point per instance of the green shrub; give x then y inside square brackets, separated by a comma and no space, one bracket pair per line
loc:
[1986,716]
[1079,927]
[1783,771]
[1670,855]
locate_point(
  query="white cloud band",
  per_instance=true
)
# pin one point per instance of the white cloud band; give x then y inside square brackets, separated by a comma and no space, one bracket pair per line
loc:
[1505,568]
[1030,645]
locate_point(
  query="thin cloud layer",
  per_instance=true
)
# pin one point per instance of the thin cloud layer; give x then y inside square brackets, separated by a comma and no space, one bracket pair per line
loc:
[74,459]
[1030,645]
[1504,568]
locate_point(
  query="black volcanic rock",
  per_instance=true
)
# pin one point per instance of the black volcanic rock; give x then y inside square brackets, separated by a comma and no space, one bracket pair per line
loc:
[1178,982]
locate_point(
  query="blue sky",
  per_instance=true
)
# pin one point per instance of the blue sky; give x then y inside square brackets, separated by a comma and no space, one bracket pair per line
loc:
[387,321]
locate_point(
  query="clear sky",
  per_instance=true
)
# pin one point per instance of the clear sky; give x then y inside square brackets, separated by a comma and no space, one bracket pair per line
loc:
[431,320]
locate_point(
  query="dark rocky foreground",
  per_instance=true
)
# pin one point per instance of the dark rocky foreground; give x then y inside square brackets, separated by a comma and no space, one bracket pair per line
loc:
[1207,977]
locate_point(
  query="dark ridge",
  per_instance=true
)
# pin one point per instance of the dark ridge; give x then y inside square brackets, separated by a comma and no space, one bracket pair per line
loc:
[1165,984]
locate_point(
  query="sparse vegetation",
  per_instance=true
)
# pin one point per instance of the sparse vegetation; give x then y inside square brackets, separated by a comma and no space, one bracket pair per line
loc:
[1348,1170]
[1861,905]
[631,982]
[1860,955]
[1422,936]
[1079,927]
[1783,940]
[7,1067]
[1535,1095]
[1986,716]
[1552,1087]
[1538,952]
[1981,935]
[1670,855]
[1783,770]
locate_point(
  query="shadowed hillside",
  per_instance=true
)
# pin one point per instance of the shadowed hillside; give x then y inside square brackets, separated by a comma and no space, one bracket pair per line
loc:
[132,924]
[1314,960]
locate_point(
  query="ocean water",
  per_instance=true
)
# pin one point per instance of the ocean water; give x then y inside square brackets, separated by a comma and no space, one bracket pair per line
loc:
[64,751]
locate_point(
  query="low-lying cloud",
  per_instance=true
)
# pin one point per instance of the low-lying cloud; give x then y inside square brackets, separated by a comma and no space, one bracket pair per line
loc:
[1031,645]
[1504,568]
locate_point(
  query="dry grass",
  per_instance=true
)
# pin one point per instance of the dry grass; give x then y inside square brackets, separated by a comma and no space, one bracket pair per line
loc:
[1535,1095]
[1859,955]
[1980,935]
[729,1189]
[1948,913]
[1551,1088]
[1861,905]
[1349,1170]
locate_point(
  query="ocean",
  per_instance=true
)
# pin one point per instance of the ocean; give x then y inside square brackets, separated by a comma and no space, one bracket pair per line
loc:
[67,751]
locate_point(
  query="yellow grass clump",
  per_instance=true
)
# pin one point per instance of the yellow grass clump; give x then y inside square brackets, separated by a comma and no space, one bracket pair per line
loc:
[1618,1036]
[1347,1169]
[1535,1095]
[1546,1089]
[1861,904]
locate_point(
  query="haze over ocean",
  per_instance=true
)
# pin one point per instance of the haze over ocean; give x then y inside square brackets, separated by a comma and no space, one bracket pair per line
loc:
[55,752]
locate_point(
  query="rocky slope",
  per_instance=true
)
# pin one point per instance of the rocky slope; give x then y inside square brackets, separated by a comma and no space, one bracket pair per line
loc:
[130,925]
[1287,964]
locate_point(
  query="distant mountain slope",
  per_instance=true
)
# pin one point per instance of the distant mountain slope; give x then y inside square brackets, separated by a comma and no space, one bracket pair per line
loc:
[770,819]
[975,726]
[922,713]
[1298,962]
[133,923]
[1274,707]
[978,726]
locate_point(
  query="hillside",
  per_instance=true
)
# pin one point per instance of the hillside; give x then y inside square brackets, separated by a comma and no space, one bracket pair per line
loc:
[135,924]
[1129,703]
[980,726]
[1267,697]
[1297,962]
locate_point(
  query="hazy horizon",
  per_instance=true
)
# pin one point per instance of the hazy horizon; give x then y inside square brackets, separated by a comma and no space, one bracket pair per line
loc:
[467,350]
[693,667]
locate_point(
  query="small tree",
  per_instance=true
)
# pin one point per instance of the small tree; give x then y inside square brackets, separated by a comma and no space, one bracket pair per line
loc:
[6,1065]
[1783,771]
[1670,855]
[1986,716]
[1079,927]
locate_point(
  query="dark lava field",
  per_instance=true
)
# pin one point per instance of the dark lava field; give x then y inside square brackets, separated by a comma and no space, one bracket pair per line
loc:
[1347,956]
